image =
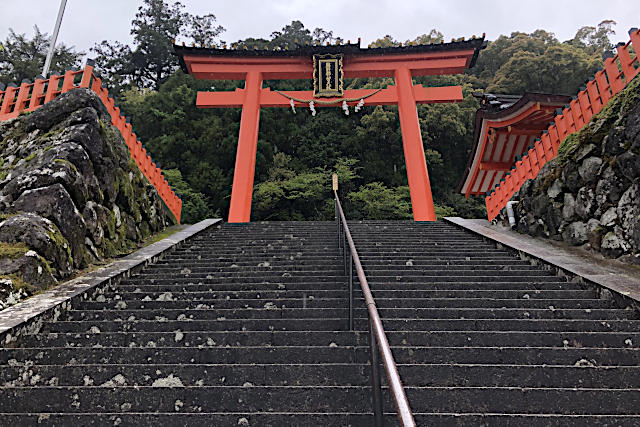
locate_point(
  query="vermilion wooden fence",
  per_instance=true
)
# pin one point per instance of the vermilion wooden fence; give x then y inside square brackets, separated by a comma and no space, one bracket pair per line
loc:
[30,96]
[615,75]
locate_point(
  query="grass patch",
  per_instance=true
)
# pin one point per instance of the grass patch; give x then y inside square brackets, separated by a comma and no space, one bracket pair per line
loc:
[67,163]
[4,216]
[31,156]
[52,133]
[162,235]
[12,250]
[18,283]
[568,146]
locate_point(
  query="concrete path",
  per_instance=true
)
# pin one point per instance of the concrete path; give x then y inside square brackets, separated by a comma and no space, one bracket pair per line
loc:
[618,277]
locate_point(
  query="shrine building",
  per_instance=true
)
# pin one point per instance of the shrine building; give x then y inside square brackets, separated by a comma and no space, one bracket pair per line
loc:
[506,127]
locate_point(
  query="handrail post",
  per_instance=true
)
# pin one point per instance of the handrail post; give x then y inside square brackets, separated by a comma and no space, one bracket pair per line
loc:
[344,251]
[376,390]
[350,291]
[378,342]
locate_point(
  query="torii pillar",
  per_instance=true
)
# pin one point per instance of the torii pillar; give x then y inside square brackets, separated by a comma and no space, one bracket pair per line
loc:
[242,190]
[400,63]
[414,158]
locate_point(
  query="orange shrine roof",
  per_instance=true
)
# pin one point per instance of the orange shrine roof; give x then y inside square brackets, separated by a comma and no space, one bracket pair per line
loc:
[505,128]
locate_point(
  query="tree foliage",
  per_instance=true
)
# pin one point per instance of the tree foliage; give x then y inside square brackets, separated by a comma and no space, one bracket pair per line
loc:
[150,61]
[22,57]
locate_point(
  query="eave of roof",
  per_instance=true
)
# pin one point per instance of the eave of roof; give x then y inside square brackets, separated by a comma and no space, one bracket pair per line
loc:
[481,115]
[346,49]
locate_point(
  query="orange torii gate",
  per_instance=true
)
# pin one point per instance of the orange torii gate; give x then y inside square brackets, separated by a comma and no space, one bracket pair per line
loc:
[335,63]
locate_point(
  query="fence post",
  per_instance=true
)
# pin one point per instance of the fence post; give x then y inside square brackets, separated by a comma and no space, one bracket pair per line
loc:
[23,96]
[614,75]
[634,33]
[36,93]
[585,105]
[554,139]
[489,204]
[533,159]
[52,87]
[67,83]
[9,96]
[96,85]
[604,88]
[569,123]
[626,62]
[594,97]
[87,73]
[578,120]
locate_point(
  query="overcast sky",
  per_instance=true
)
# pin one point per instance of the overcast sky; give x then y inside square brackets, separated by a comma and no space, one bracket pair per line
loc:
[89,21]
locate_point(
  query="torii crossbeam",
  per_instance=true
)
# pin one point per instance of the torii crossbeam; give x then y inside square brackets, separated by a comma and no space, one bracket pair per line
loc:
[401,63]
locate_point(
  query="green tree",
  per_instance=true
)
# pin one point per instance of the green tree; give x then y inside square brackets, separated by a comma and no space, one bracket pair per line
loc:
[23,57]
[291,35]
[377,201]
[561,69]
[288,195]
[500,51]
[151,60]
[194,205]
[434,36]
[594,40]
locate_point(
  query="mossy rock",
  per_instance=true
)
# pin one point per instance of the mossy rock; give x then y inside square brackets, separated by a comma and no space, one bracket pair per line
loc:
[13,250]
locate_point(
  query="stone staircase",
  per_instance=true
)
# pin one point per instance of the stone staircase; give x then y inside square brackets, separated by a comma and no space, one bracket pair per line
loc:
[247,325]
[482,337]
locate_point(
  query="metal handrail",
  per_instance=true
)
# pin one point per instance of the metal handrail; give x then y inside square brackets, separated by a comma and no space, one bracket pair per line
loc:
[376,332]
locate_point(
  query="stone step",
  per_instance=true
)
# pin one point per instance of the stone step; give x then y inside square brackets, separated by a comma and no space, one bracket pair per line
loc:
[342,338]
[283,319]
[216,299]
[331,277]
[241,262]
[431,294]
[322,354]
[407,305]
[277,419]
[248,326]
[195,285]
[272,311]
[322,374]
[302,266]
[314,399]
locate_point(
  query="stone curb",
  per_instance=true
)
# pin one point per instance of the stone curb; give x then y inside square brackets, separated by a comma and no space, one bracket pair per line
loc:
[28,316]
[624,287]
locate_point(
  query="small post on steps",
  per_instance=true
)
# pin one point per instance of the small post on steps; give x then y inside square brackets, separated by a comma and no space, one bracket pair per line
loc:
[350,291]
[334,186]
[376,390]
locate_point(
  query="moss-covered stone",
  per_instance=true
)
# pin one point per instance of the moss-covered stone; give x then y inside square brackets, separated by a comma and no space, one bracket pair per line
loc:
[31,156]
[60,242]
[66,163]
[18,283]
[69,146]
[596,170]
[12,250]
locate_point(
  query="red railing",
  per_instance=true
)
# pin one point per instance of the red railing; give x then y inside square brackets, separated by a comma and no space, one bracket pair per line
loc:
[30,96]
[616,74]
